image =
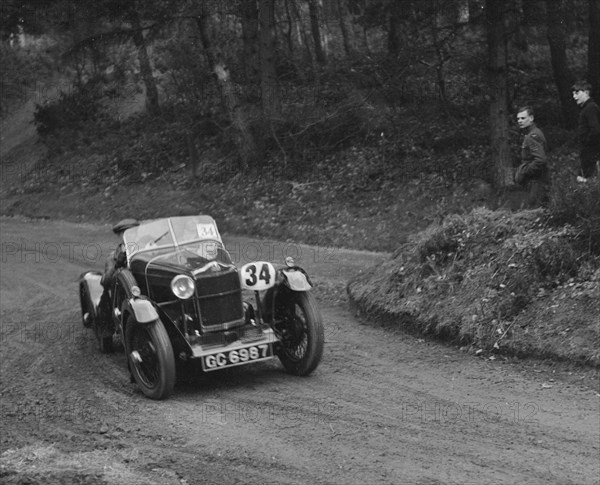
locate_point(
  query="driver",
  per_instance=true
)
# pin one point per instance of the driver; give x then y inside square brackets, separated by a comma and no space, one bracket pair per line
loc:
[115,261]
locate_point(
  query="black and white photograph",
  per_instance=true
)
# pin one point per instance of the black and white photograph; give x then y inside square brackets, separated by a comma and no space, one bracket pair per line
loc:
[264,242]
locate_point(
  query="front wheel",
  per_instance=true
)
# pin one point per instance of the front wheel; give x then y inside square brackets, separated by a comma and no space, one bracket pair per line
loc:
[300,328]
[150,357]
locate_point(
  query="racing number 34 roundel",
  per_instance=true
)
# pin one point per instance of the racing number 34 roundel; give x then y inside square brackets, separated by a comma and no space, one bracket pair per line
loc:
[258,276]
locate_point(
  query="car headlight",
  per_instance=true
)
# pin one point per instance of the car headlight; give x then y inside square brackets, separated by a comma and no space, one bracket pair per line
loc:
[182,286]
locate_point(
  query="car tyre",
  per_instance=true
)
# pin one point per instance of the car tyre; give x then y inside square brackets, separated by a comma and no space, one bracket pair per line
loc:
[105,344]
[150,357]
[300,327]
[104,334]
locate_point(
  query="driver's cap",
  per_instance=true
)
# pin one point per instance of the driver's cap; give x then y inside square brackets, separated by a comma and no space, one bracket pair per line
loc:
[123,225]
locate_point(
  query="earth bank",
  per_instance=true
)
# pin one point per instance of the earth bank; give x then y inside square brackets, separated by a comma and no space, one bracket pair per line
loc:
[499,282]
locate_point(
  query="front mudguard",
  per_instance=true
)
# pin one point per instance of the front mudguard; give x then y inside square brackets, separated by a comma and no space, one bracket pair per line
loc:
[296,279]
[289,281]
[142,310]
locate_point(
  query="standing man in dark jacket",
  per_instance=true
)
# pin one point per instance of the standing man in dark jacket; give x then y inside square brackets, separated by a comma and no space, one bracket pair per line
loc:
[533,172]
[589,130]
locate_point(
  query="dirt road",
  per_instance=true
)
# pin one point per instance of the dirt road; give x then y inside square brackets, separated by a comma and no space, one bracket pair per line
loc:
[382,407]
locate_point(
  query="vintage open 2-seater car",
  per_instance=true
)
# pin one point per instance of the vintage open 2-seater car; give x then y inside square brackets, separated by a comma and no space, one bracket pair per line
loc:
[177,296]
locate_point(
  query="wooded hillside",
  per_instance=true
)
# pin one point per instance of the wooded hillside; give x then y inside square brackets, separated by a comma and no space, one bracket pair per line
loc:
[295,81]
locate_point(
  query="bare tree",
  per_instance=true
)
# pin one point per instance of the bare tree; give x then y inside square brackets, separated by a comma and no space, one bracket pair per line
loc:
[93,36]
[145,66]
[556,32]
[347,33]
[394,39]
[302,31]
[289,33]
[269,87]
[249,15]
[441,53]
[313,9]
[594,47]
[498,72]
[242,135]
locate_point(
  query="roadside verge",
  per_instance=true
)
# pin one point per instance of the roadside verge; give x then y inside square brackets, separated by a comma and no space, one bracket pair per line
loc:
[492,281]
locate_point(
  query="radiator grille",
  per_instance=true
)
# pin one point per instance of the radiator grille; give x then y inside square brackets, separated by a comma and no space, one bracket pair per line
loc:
[219,298]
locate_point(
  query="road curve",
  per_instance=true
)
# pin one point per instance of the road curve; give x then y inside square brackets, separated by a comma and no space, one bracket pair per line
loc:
[383,407]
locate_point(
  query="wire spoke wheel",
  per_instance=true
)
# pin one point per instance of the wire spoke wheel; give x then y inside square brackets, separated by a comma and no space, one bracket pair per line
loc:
[151,358]
[145,357]
[301,331]
[295,335]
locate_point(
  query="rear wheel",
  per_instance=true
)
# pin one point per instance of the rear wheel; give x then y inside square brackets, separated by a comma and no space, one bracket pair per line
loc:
[91,319]
[151,358]
[105,344]
[300,328]
[103,327]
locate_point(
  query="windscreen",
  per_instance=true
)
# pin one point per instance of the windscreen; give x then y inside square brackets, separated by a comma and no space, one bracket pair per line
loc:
[197,234]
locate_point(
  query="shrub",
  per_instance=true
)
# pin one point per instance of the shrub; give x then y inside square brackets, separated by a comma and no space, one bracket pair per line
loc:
[69,111]
[307,135]
[578,204]
[471,274]
[20,69]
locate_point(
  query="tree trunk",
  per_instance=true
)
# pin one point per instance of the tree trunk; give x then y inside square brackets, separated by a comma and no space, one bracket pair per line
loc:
[497,70]
[594,49]
[563,78]
[242,136]
[394,40]
[517,19]
[303,35]
[365,37]
[313,10]
[441,60]
[289,35]
[269,87]
[249,11]
[359,9]
[145,66]
[345,28]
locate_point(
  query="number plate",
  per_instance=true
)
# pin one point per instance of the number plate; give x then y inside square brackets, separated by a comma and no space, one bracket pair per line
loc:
[258,276]
[240,356]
